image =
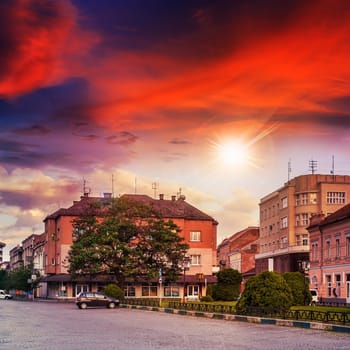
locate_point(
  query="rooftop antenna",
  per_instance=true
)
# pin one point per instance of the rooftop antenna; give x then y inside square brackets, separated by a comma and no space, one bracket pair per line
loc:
[86,190]
[155,187]
[332,170]
[289,169]
[312,166]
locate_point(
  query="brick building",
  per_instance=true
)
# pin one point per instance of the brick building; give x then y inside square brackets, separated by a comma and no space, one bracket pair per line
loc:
[198,229]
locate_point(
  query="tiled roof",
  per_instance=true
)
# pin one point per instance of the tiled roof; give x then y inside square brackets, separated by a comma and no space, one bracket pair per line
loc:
[339,215]
[174,208]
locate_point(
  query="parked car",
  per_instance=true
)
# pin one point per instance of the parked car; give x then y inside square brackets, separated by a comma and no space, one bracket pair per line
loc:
[95,299]
[4,295]
[314,295]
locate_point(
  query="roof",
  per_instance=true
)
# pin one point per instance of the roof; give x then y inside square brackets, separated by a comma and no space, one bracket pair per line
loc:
[174,208]
[339,215]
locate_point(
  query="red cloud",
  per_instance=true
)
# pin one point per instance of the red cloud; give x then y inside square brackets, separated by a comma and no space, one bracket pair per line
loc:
[37,36]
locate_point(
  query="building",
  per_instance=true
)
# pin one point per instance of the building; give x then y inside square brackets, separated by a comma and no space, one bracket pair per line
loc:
[330,254]
[2,245]
[198,229]
[285,215]
[16,258]
[239,250]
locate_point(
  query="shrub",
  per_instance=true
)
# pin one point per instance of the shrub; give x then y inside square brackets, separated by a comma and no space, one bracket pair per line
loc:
[207,298]
[299,287]
[112,290]
[268,289]
[225,292]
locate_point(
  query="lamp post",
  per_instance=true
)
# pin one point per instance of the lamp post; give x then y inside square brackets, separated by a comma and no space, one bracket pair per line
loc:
[186,266]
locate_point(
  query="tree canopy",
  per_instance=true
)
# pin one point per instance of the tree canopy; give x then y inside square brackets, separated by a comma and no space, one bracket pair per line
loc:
[228,286]
[127,239]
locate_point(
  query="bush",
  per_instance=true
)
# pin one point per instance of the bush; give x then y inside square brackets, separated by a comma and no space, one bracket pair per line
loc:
[268,289]
[225,292]
[112,290]
[207,298]
[299,287]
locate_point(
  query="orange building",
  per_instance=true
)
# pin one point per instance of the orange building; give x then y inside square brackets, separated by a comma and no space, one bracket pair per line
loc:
[198,229]
[330,254]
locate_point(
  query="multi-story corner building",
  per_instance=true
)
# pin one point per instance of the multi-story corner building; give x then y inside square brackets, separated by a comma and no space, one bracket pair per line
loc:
[198,229]
[285,215]
[239,250]
[330,254]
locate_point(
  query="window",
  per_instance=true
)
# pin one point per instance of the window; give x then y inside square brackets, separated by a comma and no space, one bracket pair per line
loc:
[171,291]
[149,291]
[335,197]
[284,201]
[284,222]
[337,247]
[329,285]
[52,261]
[301,199]
[129,291]
[314,251]
[328,249]
[284,242]
[348,246]
[337,285]
[305,240]
[195,259]
[195,236]
[305,219]
[313,198]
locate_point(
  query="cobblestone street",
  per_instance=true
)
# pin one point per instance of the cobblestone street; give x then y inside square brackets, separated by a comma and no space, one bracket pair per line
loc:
[42,325]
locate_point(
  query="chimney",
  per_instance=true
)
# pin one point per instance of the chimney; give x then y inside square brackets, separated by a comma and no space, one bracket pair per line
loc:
[173,198]
[161,196]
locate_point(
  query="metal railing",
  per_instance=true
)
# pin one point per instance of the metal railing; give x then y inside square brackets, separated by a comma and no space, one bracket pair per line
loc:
[334,317]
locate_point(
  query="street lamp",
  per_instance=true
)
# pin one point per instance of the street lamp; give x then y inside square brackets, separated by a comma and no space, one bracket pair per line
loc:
[186,267]
[304,267]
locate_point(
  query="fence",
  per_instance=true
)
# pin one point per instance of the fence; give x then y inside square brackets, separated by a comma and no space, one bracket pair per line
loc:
[334,317]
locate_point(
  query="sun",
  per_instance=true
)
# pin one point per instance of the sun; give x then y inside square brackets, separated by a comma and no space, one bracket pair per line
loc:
[233,152]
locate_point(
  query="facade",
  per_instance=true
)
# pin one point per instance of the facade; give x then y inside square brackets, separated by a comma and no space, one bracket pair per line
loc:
[285,215]
[198,229]
[330,254]
[239,250]
[16,258]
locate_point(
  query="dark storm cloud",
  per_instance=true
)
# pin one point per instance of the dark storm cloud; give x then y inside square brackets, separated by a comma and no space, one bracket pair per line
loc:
[34,130]
[177,141]
[122,138]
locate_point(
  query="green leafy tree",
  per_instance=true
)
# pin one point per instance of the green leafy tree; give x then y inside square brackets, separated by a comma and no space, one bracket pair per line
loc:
[299,287]
[268,289]
[127,239]
[18,279]
[228,286]
[3,279]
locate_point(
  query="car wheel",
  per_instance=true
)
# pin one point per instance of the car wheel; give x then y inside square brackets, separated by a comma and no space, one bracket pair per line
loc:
[83,305]
[111,305]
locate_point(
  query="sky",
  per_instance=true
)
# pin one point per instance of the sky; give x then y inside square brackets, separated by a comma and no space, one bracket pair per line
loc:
[220,101]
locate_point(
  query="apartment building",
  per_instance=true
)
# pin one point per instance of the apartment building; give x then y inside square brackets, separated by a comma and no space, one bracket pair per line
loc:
[330,254]
[285,215]
[198,229]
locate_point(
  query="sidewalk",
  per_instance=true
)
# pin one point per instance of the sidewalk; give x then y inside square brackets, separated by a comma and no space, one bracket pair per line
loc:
[249,319]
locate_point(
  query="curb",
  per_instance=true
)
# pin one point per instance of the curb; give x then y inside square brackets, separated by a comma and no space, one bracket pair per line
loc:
[249,319]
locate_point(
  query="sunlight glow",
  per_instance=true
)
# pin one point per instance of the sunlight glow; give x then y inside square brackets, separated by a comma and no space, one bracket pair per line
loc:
[233,153]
